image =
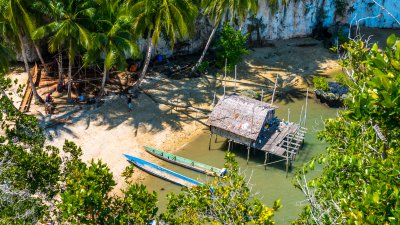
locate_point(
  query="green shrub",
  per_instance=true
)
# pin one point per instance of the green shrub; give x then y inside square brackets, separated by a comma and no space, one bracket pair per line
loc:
[341,78]
[320,83]
[231,45]
[203,66]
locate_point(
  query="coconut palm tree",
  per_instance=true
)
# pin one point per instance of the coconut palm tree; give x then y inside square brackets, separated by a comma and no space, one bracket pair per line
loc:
[52,10]
[112,38]
[152,18]
[216,10]
[70,30]
[15,15]
[6,55]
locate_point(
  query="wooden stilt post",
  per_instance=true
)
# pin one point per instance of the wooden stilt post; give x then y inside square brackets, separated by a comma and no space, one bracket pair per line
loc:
[273,93]
[226,61]
[266,160]
[287,164]
[248,154]
[216,137]
[305,111]
[235,80]
[229,145]
[209,143]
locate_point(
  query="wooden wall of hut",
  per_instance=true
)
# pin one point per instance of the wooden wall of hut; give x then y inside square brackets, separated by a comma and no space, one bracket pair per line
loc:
[231,136]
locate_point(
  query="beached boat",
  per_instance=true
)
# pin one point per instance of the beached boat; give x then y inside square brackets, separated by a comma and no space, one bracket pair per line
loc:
[187,163]
[162,172]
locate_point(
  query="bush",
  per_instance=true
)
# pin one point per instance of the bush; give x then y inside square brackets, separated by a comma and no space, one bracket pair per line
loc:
[341,78]
[231,45]
[202,68]
[320,83]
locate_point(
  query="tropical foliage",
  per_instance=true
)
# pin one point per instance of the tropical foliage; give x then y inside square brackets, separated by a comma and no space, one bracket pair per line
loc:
[112,37]
[234,12]
[70,29]
[17,23]
[153,18]
[226,200]
[360,182]
[320,83]
[231,46]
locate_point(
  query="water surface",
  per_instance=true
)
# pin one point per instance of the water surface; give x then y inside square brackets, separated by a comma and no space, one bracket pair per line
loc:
[269,184]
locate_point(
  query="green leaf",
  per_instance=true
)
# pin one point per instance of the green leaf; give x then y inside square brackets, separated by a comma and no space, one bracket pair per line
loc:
[391,40]
[376,197]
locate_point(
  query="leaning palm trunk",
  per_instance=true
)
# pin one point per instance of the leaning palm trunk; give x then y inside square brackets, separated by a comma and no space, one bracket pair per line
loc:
[103,82]
[146,64]
[23,52]
[205,48]
[69,79]
[41,58]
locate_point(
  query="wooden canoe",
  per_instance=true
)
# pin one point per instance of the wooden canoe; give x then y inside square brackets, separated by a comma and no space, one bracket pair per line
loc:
[162,172]
[187,163]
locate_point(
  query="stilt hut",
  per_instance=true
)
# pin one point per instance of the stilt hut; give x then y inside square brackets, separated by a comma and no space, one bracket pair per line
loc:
[253,123]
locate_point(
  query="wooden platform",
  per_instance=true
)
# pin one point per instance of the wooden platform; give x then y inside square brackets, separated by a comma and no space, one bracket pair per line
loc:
[286,141]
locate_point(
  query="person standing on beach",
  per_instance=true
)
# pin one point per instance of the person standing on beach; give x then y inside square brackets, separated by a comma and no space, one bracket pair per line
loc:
[130,105]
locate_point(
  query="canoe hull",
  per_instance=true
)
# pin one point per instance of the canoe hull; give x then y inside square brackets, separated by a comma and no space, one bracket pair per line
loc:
[196,166]
[162,172]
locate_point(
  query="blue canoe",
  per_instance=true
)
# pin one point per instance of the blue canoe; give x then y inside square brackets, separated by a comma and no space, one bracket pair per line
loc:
[161,172]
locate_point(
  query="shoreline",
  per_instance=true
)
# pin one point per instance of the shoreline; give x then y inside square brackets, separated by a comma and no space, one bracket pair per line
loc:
[110,130]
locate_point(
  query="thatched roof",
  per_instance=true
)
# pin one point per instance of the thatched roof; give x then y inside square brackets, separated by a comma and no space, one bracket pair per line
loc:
[240,115]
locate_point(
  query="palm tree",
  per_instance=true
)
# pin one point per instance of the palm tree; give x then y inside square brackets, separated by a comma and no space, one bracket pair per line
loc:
[5,53]
[151,18]
[216,10]
[70,30]
[51,9]
[113,38]
[14,13]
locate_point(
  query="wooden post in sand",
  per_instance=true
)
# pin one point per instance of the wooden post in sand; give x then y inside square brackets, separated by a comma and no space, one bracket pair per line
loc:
[226,61]
[235,80]
[273,93]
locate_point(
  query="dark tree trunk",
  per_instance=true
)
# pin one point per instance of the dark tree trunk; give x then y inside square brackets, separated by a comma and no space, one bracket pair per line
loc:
[23,52]
[146,64]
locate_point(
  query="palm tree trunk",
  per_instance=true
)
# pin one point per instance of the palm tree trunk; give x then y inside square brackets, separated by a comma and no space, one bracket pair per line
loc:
[41,58]
[60,67]
[23,52]
[69,79]
[103,82]
[146,64]
[205,48]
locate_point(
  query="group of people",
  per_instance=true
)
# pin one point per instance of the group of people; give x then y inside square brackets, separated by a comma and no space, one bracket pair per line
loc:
[49,104]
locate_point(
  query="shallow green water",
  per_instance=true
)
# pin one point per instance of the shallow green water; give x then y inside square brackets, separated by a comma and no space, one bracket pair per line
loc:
[269,184]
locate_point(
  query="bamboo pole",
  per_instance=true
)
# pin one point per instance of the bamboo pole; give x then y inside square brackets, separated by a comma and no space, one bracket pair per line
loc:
[209,143]
[273,93]
[248,154]
[235,79]
[305,112]
[226,61]
[301,115]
